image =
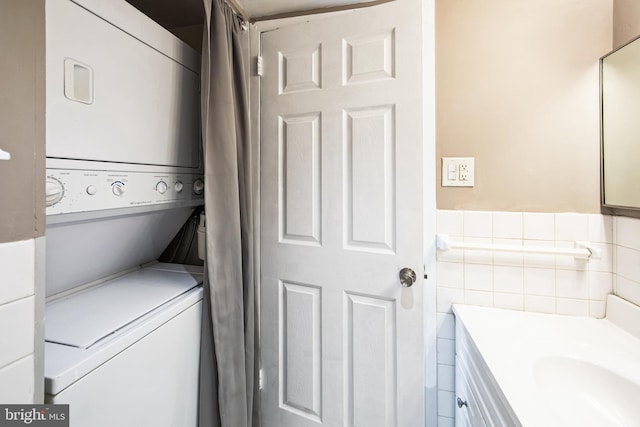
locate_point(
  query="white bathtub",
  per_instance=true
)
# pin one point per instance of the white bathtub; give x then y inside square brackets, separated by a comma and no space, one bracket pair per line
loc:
[551,370]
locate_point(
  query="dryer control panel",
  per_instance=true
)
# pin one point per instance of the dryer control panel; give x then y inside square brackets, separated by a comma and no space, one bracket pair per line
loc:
[74,191]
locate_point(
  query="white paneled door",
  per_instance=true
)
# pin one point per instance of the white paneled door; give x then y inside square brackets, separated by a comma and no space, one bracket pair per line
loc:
[341,215]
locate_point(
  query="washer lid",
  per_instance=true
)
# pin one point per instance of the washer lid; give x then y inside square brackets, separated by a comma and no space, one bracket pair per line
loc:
[84,318]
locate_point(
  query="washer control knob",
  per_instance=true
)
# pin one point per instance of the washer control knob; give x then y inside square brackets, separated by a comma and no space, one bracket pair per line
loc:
[178,186]
[117,188]
[198,187]
[161,187]
[91,190]
[54,191]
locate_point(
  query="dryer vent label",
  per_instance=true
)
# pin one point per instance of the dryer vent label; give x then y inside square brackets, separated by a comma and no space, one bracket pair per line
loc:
[34,415]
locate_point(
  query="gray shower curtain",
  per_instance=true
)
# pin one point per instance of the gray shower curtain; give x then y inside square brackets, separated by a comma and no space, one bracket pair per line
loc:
[229,357]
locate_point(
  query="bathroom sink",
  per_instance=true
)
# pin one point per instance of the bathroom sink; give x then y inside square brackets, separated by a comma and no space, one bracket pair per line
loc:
[583,393]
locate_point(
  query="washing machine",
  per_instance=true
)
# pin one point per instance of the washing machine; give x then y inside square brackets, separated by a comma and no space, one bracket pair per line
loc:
[126,352]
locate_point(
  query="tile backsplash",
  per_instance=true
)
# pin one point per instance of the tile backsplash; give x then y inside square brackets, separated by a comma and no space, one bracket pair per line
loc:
[531,282]
[626,267]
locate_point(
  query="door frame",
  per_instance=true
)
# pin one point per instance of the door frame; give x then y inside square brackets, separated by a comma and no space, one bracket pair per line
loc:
[429,185]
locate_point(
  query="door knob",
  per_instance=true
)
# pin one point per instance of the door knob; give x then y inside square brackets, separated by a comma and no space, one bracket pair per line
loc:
[407,277]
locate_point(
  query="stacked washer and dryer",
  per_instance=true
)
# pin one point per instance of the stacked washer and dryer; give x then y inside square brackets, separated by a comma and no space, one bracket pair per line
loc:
[124,173]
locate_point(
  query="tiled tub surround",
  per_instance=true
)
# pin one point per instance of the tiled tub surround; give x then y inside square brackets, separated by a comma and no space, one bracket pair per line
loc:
[553,369]
[529,282]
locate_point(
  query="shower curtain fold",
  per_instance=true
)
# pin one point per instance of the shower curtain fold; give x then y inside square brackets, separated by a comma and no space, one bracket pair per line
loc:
[230,344]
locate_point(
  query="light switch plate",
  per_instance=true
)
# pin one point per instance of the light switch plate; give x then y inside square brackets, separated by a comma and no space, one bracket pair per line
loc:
[458,171]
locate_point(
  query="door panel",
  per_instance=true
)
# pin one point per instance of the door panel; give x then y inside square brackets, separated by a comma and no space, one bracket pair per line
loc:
[369,174]
[299,176]
[341,214]
[300,341]
[371,361]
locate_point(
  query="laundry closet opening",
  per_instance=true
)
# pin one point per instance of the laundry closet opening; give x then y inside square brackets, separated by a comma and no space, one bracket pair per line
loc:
[124,194]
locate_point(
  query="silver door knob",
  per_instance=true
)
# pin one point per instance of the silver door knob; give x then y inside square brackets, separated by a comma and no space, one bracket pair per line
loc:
[407,277]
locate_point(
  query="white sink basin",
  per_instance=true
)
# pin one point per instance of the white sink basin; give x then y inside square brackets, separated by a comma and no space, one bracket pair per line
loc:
[561,371]
[583,393]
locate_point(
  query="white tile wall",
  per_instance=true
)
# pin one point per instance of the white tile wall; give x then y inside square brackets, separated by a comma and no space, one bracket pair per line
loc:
[16,270]
[570,227]
[446,378]
[17,321]
[446,404]
[508,225]
[17,381]
[477,224]
[446,422]
[16,339]
[626,255]
[538,226]
[530,282]
[539,282]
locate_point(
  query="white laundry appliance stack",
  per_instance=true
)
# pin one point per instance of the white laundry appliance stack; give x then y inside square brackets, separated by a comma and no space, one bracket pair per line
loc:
[124,172]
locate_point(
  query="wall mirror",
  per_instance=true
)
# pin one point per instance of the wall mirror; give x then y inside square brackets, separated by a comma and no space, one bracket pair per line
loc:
[620,130]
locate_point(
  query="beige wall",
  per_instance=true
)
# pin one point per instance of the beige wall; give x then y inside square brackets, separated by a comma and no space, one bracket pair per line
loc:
[626,21]
[22,127]
[517,88]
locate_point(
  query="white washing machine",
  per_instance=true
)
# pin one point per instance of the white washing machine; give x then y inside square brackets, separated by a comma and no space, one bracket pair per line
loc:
[126,352]
[124,173]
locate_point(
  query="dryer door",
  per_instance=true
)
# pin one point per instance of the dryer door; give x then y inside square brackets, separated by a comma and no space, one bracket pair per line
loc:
[112,97]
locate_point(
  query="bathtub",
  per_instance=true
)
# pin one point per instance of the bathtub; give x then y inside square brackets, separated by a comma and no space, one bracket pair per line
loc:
[530,369]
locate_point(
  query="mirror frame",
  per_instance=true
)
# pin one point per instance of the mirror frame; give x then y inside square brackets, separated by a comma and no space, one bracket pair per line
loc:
[604,207]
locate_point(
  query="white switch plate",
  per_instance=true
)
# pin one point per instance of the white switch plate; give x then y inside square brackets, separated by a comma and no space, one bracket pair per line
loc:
[458,171]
